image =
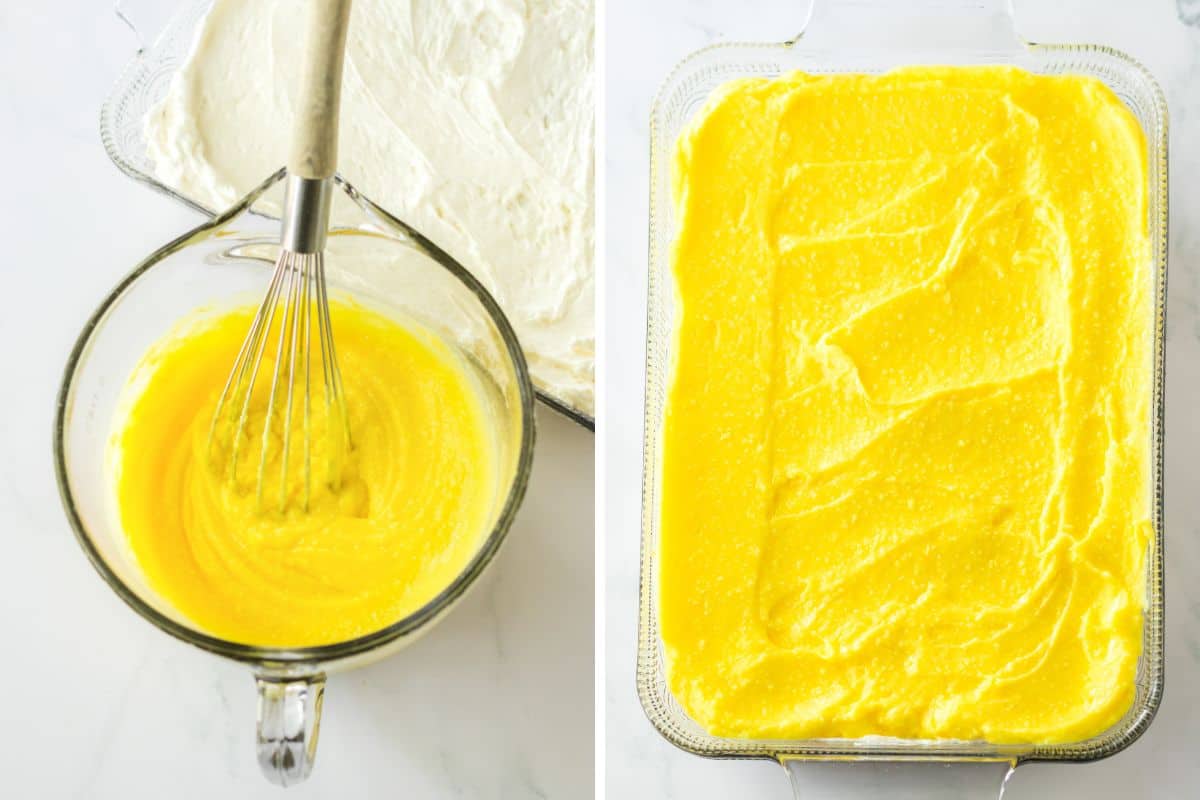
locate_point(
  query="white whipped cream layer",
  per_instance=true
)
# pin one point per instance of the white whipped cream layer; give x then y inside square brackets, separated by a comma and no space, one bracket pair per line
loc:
[472,120]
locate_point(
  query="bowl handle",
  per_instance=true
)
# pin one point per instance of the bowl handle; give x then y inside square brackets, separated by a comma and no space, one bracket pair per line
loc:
[289,721]
[898,780]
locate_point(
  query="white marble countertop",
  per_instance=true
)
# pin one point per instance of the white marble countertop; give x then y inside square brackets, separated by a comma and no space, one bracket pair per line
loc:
[496,702]
[645,40]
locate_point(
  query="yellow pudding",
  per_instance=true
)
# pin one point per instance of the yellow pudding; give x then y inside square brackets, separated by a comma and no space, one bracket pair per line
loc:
[905,457]
[410,504]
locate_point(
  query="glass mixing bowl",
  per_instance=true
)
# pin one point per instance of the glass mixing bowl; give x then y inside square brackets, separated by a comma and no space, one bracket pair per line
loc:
[379,263]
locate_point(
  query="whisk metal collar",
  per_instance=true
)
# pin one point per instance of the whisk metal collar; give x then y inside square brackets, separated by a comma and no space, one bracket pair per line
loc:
[305,214]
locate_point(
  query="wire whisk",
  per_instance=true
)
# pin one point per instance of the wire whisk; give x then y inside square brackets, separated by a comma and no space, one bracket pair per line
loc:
[298,289]
[286,408]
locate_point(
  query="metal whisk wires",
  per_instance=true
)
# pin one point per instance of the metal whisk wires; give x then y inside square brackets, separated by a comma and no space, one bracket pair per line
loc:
[277,357]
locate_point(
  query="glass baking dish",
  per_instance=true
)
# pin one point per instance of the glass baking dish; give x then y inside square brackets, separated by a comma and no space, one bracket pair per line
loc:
[858,36]
[144,83]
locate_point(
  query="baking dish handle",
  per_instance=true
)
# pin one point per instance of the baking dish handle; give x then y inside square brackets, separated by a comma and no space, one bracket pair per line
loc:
[289,722]
[950,24]
[898,780]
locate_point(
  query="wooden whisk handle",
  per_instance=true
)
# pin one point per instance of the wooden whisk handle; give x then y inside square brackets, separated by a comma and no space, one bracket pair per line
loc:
[315,132]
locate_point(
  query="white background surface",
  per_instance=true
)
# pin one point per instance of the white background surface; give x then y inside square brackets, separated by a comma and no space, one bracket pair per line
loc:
[496,702]
[645,40]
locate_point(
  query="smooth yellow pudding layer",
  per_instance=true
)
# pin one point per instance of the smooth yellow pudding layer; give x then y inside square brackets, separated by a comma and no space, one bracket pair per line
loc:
[906,448]
[413,501]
